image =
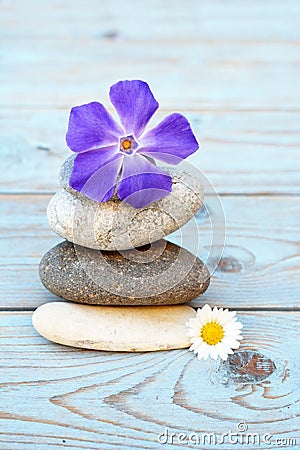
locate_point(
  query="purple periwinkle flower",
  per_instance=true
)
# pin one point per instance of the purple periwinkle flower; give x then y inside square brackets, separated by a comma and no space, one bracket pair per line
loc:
[111,155]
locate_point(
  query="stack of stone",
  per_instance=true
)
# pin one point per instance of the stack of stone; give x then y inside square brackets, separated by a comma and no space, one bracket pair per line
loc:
[129,284]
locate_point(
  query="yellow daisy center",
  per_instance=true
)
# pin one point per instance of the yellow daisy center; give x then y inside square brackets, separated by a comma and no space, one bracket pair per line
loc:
[212,333]
[126,144]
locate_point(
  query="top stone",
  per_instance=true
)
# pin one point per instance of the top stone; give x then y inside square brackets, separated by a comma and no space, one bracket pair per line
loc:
[116,225]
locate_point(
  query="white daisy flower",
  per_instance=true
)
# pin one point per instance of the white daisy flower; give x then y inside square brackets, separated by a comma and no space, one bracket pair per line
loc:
[214,332]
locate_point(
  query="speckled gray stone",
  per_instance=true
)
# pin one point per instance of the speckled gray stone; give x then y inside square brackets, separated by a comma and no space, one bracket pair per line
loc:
[65,175]
[161,274]
[115,225]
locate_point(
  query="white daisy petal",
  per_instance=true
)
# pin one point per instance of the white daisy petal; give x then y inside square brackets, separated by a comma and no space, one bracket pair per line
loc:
[213,352]
[206,312]
[228,340]
[202,352]
[197,340]
[231,327]
[228,321]
[232,343]
[202,348]
[227,349]
[206,355]
[199,314]
[222,319]
[223,353]
[228,330]
[233,336]
[206,346]
[219,315]
[236,345]
[215,313]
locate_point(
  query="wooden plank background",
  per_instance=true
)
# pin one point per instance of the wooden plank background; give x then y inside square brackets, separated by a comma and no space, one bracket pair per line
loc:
[232,68]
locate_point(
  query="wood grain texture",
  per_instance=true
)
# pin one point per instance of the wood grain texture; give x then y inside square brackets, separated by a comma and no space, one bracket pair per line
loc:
[153,19]
[241,152]
[192,57]
[56,397]
[261,87]
[232,68]
[259,267]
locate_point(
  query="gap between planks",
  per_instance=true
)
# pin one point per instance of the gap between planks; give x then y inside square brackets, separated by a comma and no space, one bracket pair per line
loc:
[244,309]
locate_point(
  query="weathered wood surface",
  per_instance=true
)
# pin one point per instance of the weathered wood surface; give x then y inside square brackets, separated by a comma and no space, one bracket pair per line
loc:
[53,396]
[259,267]
[57,87]
[242,152]
[166,43]
[152,19]
[232,68]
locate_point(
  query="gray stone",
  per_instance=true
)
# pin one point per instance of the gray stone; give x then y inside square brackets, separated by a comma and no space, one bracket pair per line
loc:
[121,329]
[158,274]
[65,175]
[115,225]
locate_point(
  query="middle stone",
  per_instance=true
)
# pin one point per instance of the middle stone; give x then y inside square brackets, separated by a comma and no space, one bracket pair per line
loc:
[161,274]
[115,225]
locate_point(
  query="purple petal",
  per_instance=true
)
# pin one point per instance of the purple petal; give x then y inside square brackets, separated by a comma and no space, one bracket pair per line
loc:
[171,141]
[142,182]
[91,126]
[95,173]
[135,104]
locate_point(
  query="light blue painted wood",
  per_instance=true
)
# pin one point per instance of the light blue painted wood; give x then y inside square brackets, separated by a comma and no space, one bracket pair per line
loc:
[233,68]
[94,400]
[152,19]
[241,86]
[193,54]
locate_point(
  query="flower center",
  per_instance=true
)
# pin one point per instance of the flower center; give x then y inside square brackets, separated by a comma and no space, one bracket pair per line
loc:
[128,144]
[212,333]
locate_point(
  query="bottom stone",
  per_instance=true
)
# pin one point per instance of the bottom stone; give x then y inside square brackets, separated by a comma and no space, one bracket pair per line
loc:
[114,328]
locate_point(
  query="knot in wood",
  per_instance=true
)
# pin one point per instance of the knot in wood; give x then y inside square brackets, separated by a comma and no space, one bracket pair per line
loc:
[248,366]
[229,264]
